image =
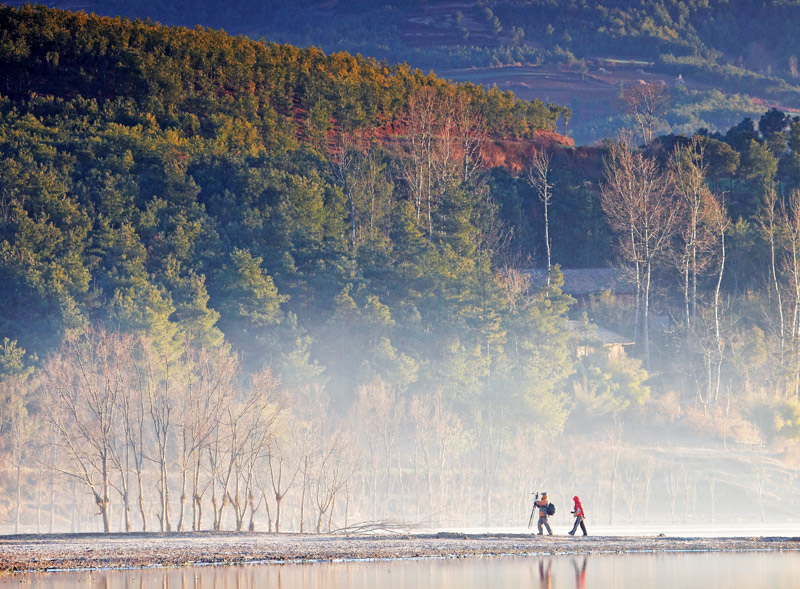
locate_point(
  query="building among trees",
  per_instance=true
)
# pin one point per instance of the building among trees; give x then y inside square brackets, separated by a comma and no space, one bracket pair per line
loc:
[584,283]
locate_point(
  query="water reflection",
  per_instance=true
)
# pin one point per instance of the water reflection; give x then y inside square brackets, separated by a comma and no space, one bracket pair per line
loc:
[546,570]
[545,573]
[749,570]
[580,572]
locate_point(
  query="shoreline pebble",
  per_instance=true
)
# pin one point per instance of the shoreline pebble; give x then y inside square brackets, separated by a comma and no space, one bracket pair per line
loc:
[28,553]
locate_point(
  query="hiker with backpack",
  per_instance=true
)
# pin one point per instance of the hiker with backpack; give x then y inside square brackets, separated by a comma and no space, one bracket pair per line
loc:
[545,509]
[579,516]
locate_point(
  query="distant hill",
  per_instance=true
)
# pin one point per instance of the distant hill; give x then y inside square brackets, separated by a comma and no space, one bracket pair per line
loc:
[747,50]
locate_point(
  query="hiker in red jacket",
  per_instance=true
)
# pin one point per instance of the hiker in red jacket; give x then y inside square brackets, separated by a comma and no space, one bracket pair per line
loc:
[579,516]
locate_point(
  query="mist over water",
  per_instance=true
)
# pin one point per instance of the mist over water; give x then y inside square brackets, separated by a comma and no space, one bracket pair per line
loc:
[751,570]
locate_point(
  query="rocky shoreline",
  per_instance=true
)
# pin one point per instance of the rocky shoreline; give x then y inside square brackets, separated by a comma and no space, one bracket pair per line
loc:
[26,553]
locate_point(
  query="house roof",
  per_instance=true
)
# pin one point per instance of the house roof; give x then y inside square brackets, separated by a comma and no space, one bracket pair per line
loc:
[596,334]
[587,281]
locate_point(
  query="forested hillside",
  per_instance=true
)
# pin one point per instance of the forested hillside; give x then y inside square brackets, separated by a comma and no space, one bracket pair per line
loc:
[171,175]
[235,273]
[726,58]
[324,218]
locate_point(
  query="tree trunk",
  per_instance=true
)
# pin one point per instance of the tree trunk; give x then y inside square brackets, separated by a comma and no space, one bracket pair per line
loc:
[199,506]
[638,270]
[717,333]
[646,321]
[52,525]
[215,510]
[196,507]
[686,294]
[102,505]
[182,500]
[547,241]
[278,499]
[73,515]
[771,203]
[105,501]
[140,500]
[352,202]
[126,512]
[252,503]
[18,507]
[615,446]
[303,494]
[694,277]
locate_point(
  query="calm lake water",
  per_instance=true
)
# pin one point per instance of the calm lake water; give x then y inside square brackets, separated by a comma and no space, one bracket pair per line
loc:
[748,570]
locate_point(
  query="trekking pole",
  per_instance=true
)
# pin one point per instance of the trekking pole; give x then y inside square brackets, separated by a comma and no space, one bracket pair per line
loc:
[533,510]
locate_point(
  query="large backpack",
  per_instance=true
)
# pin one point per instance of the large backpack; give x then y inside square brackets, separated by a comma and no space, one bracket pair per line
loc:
[551,509]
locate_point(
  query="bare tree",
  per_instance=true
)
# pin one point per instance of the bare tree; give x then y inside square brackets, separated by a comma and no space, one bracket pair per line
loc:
[649,474]
[421,129]
[238,443]
[639,203]
[344,159]
[790,219]
[690,492]
[470,132]
[205,389]
[675,473]
[771,226]
[122,453]
[160,389]
[49,457]
[444,136]
[488,429]
[646,102]
[538,178]
[761,473]
[253,431]
[310,404]
[358,168]
[527,467]
[637,472]
[332,469]
[369,181]
[695,225]
[440,441]
[19,430]
[721,222]
[614,449]
[712,493]
[136,434]
[81,387]
[379,406]
[282,473]
[632,476]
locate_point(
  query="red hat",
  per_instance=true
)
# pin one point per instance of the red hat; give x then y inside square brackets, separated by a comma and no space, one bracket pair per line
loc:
[576,498]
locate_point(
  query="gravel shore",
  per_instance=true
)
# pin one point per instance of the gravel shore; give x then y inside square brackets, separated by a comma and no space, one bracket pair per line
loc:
[111,551]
